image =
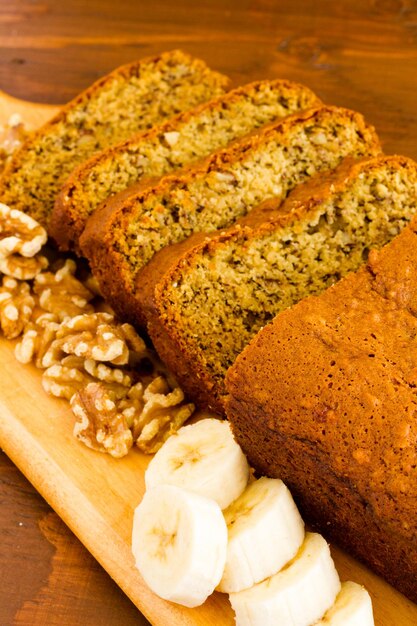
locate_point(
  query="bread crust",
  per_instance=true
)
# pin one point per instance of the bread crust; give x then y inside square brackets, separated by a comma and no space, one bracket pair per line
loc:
[324,398]
[67,225]
[99,245]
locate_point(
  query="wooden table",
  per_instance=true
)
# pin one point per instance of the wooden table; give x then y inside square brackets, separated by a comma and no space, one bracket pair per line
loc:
[357,54]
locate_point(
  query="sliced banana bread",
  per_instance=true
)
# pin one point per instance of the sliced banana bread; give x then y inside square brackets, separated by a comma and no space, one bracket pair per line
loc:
[132,98]
[185,138]
[205,298]
[124,233]
[325,398]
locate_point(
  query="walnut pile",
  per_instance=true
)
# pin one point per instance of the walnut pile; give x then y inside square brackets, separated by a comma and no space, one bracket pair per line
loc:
[119,391]
[93,362]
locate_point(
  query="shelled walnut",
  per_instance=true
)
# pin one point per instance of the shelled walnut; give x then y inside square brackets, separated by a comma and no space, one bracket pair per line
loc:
[12,135]
[119,391]
[61,293]
[163,413]
[151,413]
[16,306]
[37,338]
[73,373]
[23,268]
[100,425]
[96,336]
[19,233]
[21,239]
[64,379]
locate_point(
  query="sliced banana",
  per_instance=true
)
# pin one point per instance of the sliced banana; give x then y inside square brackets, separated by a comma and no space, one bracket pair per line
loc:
[299,595]
[353,607]
[204,458]
[265,531]
[179,541]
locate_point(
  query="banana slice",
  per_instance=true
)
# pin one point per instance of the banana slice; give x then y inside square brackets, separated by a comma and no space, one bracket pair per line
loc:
[179,541]
[204,458]
[299,595]
[353,607]
[265,531]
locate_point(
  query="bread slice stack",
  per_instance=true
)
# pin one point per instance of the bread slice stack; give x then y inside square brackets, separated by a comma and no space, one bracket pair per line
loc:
[169,146]
[132,98]
[206,298]
[124,233]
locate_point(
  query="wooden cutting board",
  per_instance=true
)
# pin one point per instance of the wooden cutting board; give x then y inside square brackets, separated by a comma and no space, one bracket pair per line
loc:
[95,495]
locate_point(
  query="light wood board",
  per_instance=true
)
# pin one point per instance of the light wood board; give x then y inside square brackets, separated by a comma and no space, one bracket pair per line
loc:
[95,495]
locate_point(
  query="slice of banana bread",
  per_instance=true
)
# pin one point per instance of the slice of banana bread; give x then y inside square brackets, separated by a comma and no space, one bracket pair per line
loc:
[205,298]
[132,98]
[325,398]
[188,137]
[124,233]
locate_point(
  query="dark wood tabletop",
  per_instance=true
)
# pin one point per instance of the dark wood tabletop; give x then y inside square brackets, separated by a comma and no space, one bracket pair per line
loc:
[359,54]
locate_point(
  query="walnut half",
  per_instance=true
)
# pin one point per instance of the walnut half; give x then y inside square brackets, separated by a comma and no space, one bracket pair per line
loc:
[16,306]
[100,425]
[151,413]
[61,293]
[37,337]
[19,233]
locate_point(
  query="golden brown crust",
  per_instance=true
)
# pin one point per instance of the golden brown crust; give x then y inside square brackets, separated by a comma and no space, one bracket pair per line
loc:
[67,225]
[324,397]
[97,241]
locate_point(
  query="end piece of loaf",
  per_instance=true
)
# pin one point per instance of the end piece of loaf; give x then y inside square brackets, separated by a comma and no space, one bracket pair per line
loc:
[133,97]
[179,141]
[124,233]
[325,398]
[206,298]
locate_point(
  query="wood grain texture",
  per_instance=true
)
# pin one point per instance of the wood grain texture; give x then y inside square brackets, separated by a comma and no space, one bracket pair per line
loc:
[357,54]
[43,565]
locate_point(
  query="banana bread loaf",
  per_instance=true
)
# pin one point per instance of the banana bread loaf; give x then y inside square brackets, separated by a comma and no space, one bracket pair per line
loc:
[134,97]
[205,298]
[185,138]
[325,398]
[124,233]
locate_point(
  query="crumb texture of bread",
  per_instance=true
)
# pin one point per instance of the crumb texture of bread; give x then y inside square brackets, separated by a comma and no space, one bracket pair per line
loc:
[123,234]
[132,98]
[171,145]
[216,295]
[324,397]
